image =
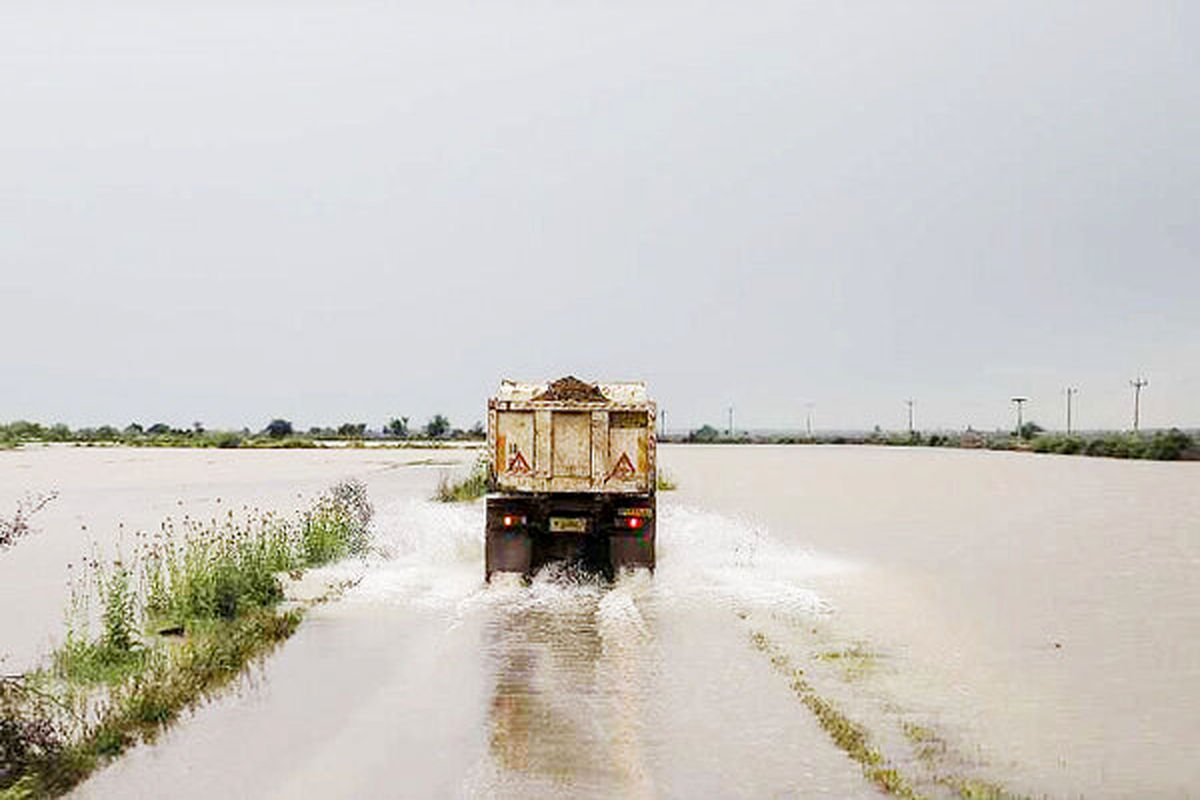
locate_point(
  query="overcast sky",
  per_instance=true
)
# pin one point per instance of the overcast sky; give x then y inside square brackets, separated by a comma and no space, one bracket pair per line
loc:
[341,211]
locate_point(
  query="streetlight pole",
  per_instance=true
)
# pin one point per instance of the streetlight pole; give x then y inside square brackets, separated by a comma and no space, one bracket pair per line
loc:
[1137,398]
[808,419]
[1071,392]
[731,422]
[910,417]
[1020,401]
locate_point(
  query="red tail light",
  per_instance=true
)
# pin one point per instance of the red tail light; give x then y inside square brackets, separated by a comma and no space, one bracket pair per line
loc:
[510,521]
[633,523]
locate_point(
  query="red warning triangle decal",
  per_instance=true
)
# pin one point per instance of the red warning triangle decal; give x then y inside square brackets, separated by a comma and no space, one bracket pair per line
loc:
[519,464]
[624,468]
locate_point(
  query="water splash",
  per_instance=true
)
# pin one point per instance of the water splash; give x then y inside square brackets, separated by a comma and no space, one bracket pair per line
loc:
[430,554]
[704,556]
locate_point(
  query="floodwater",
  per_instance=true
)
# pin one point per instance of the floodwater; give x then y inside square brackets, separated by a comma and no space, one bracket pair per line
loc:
[1029,622]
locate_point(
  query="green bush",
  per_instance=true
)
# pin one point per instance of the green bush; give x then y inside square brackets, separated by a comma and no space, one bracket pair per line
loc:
[476,484]
[1168,445]
[226,439]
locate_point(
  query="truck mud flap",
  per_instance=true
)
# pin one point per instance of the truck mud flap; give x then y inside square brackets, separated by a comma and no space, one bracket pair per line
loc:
[631,550]
[508,552]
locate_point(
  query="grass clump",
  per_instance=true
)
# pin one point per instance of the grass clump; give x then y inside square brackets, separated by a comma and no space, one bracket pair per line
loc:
[475,485]
[975,789]
[180,620]
[665,482]
[854,662]
[927,745]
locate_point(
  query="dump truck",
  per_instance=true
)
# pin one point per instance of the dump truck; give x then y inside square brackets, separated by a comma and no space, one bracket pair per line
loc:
[572,475]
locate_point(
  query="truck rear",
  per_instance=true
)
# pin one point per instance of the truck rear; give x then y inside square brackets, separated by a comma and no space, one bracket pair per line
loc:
[572,466]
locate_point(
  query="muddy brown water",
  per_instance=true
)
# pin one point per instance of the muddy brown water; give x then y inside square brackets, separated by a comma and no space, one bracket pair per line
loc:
[1029,622]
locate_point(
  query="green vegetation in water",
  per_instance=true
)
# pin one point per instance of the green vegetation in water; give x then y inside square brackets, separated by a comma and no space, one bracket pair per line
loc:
[974,789]
[475,485]
[665,482]
[855,662]
[927,746]
[853,739]
[178,621]
[848,735]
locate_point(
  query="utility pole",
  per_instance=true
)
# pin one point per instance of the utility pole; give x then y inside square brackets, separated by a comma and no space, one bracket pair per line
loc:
[910,417]
[1071,392]
[808,419]
[1020,401]
[662,425]
[1137,399]
[730,431]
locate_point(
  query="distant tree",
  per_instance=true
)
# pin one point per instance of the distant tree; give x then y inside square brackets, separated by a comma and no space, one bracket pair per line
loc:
[58,433]
[706,433]
[1030,430]
[437,427]
[477,431]
[197,427]
[158,429]
[23,429]
[353,430]
[397,428]
[133,429]
[278,428]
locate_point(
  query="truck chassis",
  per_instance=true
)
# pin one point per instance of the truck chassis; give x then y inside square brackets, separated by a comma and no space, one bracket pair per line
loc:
[598,533]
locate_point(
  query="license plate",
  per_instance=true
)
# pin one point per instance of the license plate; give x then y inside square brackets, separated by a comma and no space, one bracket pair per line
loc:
[635,512]
[568,524]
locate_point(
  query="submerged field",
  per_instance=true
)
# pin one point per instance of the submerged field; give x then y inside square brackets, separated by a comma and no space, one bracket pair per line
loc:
[848,622]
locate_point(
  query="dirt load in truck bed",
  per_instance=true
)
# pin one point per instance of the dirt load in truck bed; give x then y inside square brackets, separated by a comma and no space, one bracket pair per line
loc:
[571,388]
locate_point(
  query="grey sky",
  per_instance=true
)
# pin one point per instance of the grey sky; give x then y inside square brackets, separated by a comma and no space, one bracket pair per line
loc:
[339,211]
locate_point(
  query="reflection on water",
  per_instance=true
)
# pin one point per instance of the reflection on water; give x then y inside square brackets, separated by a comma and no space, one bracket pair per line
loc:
[570,658]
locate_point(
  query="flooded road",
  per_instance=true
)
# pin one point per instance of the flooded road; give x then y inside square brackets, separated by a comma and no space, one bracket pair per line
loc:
[984,620]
